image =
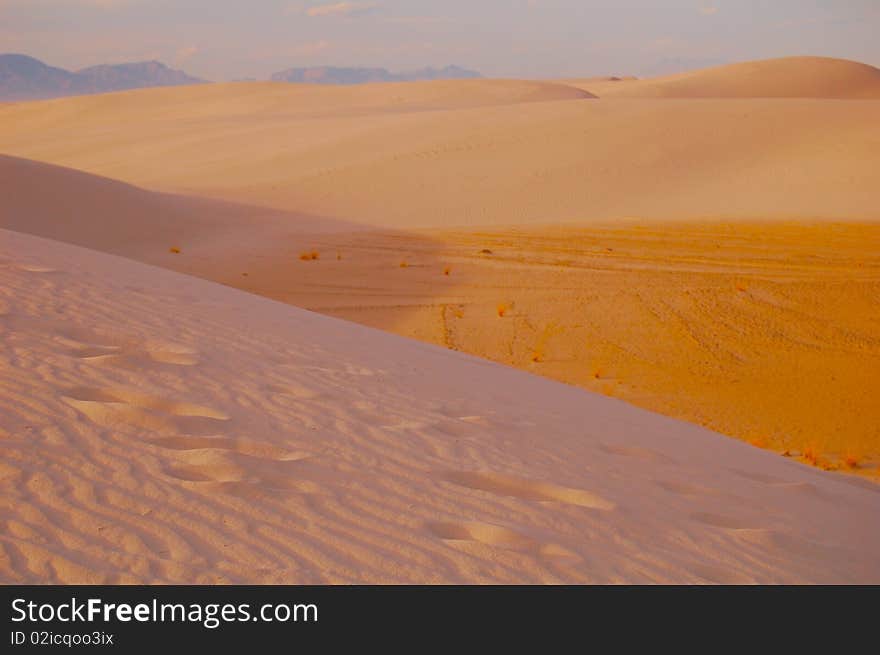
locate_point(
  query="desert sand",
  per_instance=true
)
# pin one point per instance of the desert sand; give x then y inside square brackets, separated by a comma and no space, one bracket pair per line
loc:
[161,428]
[763,331]
[476,152]
[788,77]
[703,246]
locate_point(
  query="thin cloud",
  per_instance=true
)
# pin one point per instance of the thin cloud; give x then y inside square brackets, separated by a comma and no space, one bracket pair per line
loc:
[184,54]
[708,9]
[418,20]
[345,9]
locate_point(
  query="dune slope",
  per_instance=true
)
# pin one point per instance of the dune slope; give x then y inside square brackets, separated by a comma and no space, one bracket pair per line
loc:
[787,77]
[210,238]
[663,315]
[423,162]
[159,428]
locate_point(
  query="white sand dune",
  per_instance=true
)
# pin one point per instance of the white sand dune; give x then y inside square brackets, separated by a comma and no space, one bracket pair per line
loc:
[483,152]
[787,77]
[160,428]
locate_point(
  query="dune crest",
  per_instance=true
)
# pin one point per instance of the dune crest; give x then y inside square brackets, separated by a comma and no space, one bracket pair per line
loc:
[786,77]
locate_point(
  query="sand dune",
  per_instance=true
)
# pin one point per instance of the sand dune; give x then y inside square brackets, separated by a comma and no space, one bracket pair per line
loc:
[215,238]
[159,428]
[363,155]
[278,100]
[659,319]
[105,214]
[788,77]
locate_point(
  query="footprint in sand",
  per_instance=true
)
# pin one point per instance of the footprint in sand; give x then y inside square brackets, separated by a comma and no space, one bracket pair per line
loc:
[498,537]
[35,268]
[132,354]
[101,348]
[506,485]
[245,475]
[241,446]
[120,408]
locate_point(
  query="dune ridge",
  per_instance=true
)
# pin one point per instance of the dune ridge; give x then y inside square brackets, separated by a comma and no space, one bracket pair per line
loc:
[278,445]
[786,77]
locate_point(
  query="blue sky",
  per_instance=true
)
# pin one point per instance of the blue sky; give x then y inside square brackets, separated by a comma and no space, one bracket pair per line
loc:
[228,39]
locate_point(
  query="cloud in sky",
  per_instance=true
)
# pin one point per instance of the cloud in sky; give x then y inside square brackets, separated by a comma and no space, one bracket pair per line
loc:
[185,53]
[342,9]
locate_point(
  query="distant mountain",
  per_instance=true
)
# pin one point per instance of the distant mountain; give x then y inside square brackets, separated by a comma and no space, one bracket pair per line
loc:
[26,78]
[23,77]
[333,75]
[137,75]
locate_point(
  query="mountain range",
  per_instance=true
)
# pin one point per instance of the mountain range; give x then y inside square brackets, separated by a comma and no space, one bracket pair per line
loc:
[26,78]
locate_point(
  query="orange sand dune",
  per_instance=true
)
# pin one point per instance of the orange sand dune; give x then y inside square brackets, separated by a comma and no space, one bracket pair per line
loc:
[762,331]
[789,77]
[159,428]
[563,160]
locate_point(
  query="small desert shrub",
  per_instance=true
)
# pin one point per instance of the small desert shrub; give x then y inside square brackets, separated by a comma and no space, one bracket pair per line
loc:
[811,455]
[742,288]
[851,461]
[174,250]
[447,270]
[309,255]
[404,264]
[758,442]
[502,309]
